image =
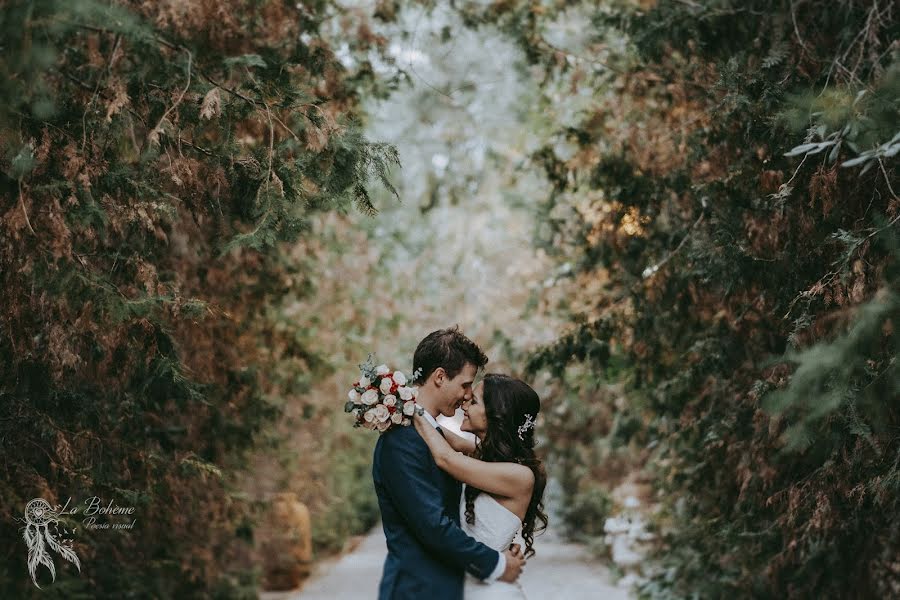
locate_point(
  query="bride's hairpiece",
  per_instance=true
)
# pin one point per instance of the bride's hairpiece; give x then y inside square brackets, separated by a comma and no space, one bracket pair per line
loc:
[528,424]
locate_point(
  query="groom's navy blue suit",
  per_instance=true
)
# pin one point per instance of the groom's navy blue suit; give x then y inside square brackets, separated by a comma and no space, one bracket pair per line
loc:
[428,553]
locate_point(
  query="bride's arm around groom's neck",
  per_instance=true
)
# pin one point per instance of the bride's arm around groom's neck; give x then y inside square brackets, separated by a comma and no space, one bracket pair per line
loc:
[458,442]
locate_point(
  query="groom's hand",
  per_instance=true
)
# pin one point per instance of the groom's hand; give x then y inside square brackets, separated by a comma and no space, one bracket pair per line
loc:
[514,563]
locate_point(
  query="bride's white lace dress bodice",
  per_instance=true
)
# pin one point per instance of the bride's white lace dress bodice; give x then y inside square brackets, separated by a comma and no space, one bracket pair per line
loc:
[495,526]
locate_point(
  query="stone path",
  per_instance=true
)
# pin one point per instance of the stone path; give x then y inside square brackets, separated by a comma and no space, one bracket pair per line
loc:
[559,570]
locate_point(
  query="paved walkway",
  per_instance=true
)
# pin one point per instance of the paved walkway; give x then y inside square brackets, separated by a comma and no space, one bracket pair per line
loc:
[559,570]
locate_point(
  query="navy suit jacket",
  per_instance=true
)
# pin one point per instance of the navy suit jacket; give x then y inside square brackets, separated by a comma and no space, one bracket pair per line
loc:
[428,552]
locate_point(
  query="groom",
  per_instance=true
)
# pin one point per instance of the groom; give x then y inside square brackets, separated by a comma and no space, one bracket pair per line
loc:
[428,553]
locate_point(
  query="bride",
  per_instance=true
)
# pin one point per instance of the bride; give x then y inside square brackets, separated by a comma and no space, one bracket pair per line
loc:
[503,480]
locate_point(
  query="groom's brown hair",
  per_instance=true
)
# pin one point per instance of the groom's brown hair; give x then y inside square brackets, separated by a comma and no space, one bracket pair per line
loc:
[447,348]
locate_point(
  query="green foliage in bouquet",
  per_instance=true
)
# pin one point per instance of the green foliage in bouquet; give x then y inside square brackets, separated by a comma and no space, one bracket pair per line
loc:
[158,158]
[380,399]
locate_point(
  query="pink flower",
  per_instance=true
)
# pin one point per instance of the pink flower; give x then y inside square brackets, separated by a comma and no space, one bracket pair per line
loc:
[381,412]
[370,397]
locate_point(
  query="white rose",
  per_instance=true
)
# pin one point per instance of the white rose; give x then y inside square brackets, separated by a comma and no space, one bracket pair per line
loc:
[370,397]
[386,385]
[390,400]
[396,418]
[405,393]
[353,395]
[364,382]
[369,416]
[382,370]
[409,408]
[381,412]
[406,422]
[383,425]
[400,378]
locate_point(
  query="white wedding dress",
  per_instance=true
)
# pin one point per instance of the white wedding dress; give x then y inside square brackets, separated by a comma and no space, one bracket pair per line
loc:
[495,526]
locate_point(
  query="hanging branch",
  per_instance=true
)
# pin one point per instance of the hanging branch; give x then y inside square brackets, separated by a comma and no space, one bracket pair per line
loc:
[153,136]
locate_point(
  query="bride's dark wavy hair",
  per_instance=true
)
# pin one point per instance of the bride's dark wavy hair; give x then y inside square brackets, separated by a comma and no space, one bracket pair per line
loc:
[506,402]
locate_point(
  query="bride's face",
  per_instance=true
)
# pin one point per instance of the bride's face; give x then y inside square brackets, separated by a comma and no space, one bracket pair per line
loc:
[474,415]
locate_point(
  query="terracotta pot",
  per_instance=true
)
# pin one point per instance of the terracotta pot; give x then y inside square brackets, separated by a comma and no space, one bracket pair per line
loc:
[286,543]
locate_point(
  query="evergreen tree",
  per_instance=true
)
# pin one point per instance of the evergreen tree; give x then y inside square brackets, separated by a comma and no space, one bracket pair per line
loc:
[159,159]
[726,196]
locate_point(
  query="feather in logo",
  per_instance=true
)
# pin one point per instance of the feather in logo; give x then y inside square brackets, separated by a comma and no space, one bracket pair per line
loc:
[39,516]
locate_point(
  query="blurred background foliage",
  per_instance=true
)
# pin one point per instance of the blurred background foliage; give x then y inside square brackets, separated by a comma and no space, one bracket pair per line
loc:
[162,165]
[677,219]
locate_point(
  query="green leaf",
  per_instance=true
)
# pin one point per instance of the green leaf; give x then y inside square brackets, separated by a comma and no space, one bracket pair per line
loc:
[23,162]
[246,60]
[856,161]
[801,149]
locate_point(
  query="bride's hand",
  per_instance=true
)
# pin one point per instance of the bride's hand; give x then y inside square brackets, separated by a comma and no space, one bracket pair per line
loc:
[419,421]
[436,443]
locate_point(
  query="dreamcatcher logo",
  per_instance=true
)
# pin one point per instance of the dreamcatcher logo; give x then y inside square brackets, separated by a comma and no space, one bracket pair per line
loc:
[39,517]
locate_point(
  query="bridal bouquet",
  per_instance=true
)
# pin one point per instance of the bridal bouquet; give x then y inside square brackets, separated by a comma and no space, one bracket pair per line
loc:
[381,399]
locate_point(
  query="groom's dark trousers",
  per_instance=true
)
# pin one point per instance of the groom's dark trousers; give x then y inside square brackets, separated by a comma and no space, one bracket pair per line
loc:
[428,553]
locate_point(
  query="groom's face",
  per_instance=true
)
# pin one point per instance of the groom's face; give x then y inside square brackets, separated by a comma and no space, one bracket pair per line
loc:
[457,390]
